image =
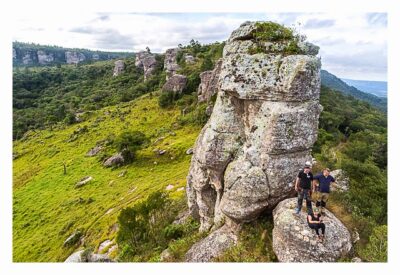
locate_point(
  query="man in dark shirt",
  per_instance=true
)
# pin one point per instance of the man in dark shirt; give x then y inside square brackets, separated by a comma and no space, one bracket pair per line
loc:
[322,183]
[303,188]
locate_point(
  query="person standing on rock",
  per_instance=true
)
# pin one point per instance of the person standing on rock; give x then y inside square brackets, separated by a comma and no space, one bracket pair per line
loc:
[321,184]
[314,221]
[303,187]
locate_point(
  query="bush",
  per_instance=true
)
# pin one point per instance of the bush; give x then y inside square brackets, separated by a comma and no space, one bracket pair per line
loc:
[141,225]
[376,249]
[129,142]
[167,99]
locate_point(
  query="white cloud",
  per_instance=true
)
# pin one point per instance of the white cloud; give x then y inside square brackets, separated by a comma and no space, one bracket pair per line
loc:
[352,45]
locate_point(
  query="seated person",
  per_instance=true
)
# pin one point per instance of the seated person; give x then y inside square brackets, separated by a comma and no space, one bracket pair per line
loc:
[315,222]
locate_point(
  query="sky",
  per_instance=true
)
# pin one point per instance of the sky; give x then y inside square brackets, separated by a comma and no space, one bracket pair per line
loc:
[352,45]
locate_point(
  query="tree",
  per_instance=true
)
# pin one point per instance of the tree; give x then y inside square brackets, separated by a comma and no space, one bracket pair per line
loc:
[129,142]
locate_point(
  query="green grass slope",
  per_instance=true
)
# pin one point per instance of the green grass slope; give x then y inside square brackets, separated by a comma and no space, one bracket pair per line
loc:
[47,208]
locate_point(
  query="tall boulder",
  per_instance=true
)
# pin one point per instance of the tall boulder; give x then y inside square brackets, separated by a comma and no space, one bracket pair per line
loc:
[119,67]
[175,83]
[209,83]
[170,62]
[261,130]
[147,61]
[295,241]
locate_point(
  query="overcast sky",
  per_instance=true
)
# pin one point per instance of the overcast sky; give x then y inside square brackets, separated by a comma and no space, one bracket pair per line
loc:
[352,45]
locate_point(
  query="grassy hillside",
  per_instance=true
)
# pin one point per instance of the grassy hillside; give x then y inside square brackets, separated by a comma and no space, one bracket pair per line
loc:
[47,207]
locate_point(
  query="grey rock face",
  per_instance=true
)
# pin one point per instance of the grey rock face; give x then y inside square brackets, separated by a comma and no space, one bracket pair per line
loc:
[189,59]
[94,151]
[209,84]
[116,159]
[147,61]
[74,57]
[295,241]
[80,257]
[14,54]
[175,83]
[119,67]
[44,58]
[261,131]
[341,183]
[212,246]
[27,58]
[170,64]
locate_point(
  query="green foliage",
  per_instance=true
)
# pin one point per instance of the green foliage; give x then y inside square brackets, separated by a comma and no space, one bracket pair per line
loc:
[270,31]
[129,142]
[274,32]
[353,136]
[147,226]
[168,98]
[376,249]
[254,245]
[42,97]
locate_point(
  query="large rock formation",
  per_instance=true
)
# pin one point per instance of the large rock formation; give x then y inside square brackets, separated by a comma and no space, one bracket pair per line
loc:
[44,58]
[175,83]
[209,83]
[147,61]
[170,62]
[295,241]
[74,57]
[119,67]
[341,183]
[261,131]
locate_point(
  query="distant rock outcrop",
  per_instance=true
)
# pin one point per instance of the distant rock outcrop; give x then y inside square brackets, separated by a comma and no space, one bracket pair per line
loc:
[119,67]
[74,57]
[175,83]
[209,83]
[44,58]
[295,241]
[147,61]
[261,131]
[170,62]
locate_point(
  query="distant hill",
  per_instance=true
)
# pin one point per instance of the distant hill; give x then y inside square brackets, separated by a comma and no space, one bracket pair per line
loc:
[331,81]
[30,54]
[378,88]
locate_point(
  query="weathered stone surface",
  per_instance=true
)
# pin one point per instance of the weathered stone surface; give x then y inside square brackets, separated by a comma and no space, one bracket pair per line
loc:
[81,257]
[246,191]
[261,131]
[175,83]
[72,239]
[170,63]
[189,59]
[147,61]
[115,160]
[271,77]
[295,241]
[212,246]
[119,67]
[341,183]
[44,58]
[83,181]
[94,151]
[209,83]
[74,57]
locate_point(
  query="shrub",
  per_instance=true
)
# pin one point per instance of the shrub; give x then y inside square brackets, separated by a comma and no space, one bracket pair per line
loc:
[142,225]
[376,249]
[129,142]
[167,99]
